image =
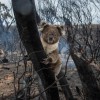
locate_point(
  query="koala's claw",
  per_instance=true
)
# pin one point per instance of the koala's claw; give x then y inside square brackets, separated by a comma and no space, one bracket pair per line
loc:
[45,61]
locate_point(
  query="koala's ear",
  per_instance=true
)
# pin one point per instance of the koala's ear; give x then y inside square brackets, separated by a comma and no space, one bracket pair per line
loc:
[42,26]
[43,23]
[61,29]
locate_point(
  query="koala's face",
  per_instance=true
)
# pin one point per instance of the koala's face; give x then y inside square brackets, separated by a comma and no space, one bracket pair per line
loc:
[51,34]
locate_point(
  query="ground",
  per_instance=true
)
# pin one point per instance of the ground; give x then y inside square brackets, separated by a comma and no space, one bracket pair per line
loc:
[9,70]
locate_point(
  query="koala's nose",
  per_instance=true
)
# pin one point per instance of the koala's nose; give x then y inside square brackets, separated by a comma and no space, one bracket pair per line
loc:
[50,38]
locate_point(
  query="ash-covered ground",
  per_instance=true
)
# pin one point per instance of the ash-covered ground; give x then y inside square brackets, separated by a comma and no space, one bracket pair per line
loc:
[11,72]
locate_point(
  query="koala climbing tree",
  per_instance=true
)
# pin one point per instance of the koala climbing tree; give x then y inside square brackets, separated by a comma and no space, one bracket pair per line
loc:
[25,15]
[27,20]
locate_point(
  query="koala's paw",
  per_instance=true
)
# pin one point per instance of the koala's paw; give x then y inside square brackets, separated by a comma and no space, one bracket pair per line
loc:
[47,61]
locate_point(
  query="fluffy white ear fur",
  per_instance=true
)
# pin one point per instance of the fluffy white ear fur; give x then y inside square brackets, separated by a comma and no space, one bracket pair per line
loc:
[62,27]
[40,29]
[63,32]
[42,25]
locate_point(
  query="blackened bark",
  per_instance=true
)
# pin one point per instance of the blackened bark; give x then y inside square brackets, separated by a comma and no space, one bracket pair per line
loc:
[29,35]
[38,20]
[89,83]
[65,86]
[90,86]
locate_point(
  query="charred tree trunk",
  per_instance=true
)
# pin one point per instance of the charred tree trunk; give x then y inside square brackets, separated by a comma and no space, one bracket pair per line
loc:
[90,86]
[25,15]
[65,86]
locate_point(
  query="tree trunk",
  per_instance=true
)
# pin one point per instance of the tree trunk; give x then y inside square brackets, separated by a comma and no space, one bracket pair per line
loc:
[27,27]
[90,86]
[65,86]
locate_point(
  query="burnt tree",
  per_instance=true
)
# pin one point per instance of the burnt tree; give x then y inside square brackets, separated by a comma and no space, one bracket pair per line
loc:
[81,49]
[65,86]
[25,15]
[89,82]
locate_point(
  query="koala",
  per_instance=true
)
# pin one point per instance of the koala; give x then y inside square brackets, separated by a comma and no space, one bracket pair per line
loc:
[50,35]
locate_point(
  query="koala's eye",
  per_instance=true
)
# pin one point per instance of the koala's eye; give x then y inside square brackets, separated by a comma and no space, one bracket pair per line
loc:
[53,33]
